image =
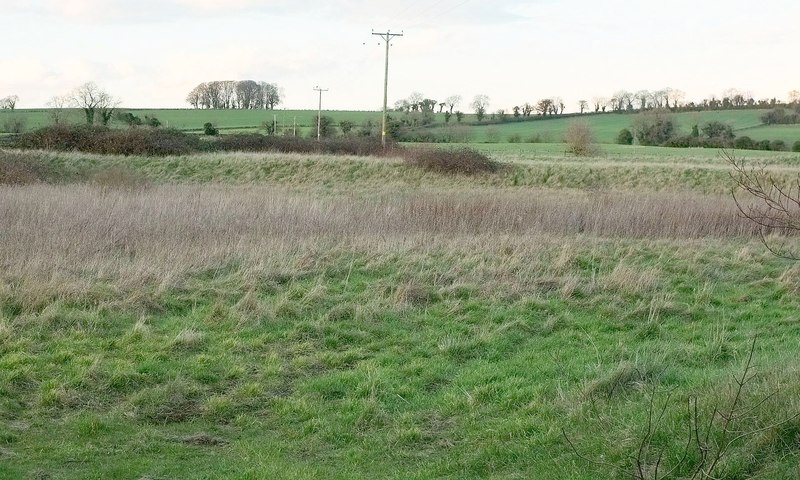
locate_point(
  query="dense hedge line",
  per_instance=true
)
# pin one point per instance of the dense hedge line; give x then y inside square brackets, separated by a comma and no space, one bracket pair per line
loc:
[161,142]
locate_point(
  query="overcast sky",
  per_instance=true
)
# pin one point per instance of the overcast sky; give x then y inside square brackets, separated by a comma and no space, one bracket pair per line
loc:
[150,53]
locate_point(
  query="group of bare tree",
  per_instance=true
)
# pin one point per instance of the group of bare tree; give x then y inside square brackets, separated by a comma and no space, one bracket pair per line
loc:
[674,99]
[418,102]
[9,102]
[643,100]
[98,106]
[231,94]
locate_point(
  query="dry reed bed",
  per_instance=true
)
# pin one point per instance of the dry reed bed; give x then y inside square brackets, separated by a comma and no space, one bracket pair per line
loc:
[130,249]
[85,220]
[81,228]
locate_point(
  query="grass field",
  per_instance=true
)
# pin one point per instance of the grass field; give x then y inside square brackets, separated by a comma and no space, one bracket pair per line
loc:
[254,316]
[605,127]
[193,120]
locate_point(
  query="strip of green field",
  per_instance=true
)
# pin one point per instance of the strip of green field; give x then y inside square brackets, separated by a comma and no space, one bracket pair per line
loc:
[605,127]
[193,120]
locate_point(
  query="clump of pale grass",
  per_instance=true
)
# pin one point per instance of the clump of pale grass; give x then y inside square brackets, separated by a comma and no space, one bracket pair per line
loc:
[631,279]
[188,338]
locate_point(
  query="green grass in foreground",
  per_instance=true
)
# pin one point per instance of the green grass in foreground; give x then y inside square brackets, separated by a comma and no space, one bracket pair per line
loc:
[432,362]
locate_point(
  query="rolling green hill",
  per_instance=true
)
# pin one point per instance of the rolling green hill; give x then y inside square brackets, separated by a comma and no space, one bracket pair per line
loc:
[607,126]
[193,120]
[547,130]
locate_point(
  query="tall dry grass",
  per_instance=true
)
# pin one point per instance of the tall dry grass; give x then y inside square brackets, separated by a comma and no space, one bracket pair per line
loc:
[101,245]
[44,225]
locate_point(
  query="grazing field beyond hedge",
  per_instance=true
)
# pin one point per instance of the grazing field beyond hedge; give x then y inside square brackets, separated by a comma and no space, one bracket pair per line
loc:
[296,315]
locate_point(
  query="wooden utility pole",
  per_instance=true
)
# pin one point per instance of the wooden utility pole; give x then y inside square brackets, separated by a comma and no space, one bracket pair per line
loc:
[387,38]
[319,111]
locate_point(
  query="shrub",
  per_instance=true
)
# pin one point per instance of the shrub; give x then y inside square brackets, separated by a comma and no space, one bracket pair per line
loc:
[655,127]
[625,137]
[326,127]
[777,146]
[129,119]
[796,146]
[778,116]
[458,161]
[152,122]
[210,130]
[580,139]
[744,143]
[718,130]
[91,139]
[17,169]
[346,126]
[154,142]
[686,141]
[515,138]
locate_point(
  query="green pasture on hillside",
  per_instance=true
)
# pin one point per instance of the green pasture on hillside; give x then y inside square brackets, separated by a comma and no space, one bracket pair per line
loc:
[193,120]
[606,127]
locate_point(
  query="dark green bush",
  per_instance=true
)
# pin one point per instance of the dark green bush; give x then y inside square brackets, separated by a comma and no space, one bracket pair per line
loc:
[744,143]
[93,139]
[718,130]
[654,127]
[160,142]
[625,137]
[778,146]
[210,130]
[796,146]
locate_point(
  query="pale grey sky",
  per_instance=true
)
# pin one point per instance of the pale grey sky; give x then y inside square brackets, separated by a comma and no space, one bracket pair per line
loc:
[150,53]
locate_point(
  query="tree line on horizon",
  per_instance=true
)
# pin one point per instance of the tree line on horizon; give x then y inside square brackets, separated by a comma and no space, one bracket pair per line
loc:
[235,94]
[621,101]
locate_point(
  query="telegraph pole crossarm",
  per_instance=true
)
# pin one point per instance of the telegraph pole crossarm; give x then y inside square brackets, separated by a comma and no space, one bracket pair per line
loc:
[387,38]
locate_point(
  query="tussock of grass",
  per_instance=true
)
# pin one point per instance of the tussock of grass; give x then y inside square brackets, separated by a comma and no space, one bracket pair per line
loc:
[174,401]
[624,377]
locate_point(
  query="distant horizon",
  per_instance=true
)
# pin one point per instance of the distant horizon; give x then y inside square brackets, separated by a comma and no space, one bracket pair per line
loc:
[153,53]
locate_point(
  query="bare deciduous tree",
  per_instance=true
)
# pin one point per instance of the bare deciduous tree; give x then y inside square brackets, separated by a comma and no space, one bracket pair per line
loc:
[272,95]
[771,204]
[93,100]
[57,108]
[9,102]
[452,102]
[544,106]
[479,104]
[196,96]
[583,104]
